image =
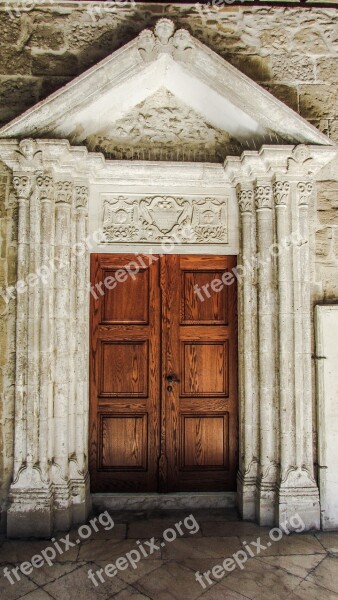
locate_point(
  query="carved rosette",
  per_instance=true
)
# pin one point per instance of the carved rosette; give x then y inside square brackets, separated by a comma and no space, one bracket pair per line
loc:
[45,186]
[263,196]
[81,196]
[281,192]
[64,192]
[23,186]
[304,192]
[245,200]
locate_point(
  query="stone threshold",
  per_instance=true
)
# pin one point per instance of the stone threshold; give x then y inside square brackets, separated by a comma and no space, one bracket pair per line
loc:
[179,500]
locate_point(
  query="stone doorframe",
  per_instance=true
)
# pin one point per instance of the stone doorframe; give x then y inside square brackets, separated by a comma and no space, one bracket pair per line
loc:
[274,191]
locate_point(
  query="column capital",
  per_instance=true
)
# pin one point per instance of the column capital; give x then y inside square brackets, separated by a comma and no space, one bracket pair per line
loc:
[304,192]
[45,186]
[64,192]
[281,192]
[263,194]
[245,195]
[23,184]
[81,191]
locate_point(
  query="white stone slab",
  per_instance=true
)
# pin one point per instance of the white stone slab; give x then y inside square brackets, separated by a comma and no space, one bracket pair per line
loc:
[327,386]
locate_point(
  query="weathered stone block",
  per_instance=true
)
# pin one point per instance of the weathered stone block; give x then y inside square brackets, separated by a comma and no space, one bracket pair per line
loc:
[49,36]
[289,67]
[14,61]
[311,41]
[51,84]
[328,274]
[255,67]
[16,95]
[284,93]
[323,241]
[335,242]
[318,101]
[327,69]
[51,64]
[328,202]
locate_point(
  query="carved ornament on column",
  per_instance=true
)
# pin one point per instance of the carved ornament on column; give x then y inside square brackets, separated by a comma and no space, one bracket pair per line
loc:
[263,195]
[281,192]
[81,196]
[246,200]
[304,192]
[64,192]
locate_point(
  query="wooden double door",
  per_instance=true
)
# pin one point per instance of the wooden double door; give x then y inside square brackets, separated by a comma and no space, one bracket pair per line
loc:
[163,374]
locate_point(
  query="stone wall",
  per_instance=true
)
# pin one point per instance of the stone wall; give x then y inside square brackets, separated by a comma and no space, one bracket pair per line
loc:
[8,235]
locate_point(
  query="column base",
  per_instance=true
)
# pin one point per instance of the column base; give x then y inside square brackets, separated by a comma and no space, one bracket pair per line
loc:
[246,496]
[298,502]
[265,504]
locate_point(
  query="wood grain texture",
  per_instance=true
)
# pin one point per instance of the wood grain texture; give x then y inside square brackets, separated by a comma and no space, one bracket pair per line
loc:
[148,433]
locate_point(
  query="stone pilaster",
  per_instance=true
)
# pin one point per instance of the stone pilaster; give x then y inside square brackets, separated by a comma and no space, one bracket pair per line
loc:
[30,497]
[266,354]
[79,478]
[298,492]
[247,307]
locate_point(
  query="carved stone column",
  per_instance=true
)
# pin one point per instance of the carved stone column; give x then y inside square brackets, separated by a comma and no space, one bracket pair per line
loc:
[62,340]
[79,477]
[247,308]
[30,497]
[298,492]
[268,399]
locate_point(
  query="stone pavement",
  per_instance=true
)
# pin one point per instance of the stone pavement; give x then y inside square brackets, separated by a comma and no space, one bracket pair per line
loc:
[299,566]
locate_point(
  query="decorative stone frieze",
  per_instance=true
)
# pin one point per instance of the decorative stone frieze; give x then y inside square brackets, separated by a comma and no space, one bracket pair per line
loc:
[193,220]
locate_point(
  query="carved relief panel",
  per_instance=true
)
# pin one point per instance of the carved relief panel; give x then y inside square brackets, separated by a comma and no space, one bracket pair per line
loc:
[161,218]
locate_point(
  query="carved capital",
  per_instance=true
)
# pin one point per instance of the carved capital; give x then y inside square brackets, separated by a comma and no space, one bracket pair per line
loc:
[281,192]
[81,196]
[263,195]
[304,192]
[245,200]
[64,192]
[45,186]
[23,185]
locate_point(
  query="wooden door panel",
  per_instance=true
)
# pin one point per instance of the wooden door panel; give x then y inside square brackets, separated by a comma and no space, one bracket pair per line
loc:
[125,372]
[124,368]
[119,304]
[200,351]
[214,308]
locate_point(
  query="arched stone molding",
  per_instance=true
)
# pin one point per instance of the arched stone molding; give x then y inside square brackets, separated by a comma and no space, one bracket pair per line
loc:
[55,184]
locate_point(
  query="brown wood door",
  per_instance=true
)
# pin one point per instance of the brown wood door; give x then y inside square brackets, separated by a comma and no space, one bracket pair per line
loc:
[163,411]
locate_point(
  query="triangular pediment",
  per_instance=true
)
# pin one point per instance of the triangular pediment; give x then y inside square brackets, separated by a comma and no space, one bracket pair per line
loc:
[165,96]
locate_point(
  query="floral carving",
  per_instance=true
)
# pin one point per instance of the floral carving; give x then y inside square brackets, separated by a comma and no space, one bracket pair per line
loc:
[246,197]
[301,162]
[159,218]
[281,191]
[263,196]
[64,192]
[23,186]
